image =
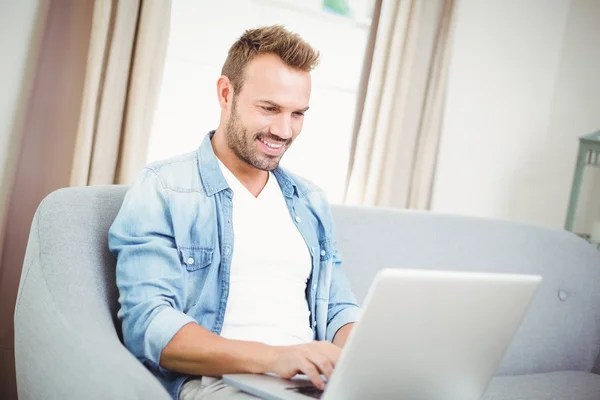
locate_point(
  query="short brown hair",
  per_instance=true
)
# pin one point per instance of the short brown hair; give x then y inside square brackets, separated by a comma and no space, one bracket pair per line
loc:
[275,39]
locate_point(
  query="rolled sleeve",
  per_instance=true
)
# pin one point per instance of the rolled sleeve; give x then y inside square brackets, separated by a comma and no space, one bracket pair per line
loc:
[161,330]
[343,308]
[347,316]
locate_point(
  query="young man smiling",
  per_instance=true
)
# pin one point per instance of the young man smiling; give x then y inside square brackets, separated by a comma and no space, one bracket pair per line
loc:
[226,263]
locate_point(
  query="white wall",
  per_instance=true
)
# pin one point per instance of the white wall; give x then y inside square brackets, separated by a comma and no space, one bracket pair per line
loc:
[17,25]
[522,87]
[576,111]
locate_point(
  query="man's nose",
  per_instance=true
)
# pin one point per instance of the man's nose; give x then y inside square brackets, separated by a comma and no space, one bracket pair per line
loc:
[282,126]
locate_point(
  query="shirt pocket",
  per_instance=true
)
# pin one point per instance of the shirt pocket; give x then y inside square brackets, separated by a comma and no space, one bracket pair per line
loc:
[195,258]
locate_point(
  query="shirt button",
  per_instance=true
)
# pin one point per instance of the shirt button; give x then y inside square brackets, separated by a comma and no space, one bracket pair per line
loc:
[298,219]
[323,252]
[190,261]
[315,286]
[227,250]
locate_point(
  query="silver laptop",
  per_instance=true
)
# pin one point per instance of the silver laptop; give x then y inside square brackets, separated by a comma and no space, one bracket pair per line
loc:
[428,335]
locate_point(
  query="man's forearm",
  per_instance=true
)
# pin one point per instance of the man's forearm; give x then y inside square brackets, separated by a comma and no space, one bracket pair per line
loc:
[195,350]
[342,335]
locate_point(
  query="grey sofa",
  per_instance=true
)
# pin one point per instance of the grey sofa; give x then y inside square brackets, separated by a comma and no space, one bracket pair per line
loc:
[67,337]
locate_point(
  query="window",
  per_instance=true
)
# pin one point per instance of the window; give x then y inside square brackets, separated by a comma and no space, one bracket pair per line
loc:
[201,34]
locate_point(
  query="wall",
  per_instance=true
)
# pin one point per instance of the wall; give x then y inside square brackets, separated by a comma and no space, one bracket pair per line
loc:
[522,88]
[43,162]
[576,110]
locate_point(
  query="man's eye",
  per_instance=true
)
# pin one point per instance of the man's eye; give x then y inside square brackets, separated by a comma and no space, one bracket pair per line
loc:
[269,109]
[299,114]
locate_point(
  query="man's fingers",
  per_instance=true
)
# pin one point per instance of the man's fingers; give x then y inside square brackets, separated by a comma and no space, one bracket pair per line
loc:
[310,370]
[323,364]
[331,351]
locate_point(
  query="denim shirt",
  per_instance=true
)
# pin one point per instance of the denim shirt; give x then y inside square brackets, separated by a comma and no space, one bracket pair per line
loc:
[173,239]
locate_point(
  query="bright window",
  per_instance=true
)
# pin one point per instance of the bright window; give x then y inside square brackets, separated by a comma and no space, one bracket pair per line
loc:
[201,34]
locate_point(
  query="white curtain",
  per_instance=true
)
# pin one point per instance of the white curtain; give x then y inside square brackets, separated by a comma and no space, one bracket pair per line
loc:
[124,71]
[396,141]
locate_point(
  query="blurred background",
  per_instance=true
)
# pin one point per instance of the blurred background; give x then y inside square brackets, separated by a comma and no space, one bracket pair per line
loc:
[468,107]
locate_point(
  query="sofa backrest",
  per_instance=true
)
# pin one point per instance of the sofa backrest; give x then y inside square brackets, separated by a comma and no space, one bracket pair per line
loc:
[66,326]
[68,242]
[560,332]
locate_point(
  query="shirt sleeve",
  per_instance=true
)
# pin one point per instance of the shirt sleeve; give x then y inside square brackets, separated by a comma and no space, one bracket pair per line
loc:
[149,273]
[343,308]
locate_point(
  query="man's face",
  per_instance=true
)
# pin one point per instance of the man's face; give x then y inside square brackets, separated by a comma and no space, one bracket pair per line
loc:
[267,114]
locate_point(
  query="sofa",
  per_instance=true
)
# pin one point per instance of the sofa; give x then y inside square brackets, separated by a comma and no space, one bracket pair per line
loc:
[68,342]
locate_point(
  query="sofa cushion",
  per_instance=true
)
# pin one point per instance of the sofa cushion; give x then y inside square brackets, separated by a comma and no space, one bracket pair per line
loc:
[561,385]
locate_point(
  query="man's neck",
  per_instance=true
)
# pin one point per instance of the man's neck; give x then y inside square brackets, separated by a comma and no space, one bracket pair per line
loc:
[252,178]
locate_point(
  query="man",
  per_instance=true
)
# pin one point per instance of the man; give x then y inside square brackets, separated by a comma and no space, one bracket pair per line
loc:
[226,263]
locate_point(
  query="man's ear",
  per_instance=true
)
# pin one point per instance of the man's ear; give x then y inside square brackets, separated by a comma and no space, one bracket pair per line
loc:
[224,93]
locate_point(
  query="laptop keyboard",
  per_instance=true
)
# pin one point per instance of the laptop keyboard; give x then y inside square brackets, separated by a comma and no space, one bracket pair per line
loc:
[310,391]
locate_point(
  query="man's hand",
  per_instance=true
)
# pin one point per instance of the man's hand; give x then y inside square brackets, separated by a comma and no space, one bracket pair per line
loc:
[311,359]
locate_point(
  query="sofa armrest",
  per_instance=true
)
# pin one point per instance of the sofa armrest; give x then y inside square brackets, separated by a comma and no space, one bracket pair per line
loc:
[60,354]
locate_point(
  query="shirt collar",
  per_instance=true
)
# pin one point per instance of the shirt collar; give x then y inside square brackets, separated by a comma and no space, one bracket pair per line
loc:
[212,177]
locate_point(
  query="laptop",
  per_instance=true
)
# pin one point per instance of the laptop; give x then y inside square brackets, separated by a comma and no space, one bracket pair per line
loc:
[430,335]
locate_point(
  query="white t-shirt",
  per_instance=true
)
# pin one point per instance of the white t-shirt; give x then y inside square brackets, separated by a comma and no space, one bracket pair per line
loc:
[269,269]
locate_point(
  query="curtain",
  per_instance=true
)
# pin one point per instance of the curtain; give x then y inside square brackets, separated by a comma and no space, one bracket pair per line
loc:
[123,76]
[396,140]
[55,36]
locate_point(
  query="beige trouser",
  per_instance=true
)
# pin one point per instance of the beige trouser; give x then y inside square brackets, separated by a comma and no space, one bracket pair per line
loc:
[207,388]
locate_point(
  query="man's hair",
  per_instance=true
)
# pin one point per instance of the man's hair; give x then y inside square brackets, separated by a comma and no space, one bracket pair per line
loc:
[289,47]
